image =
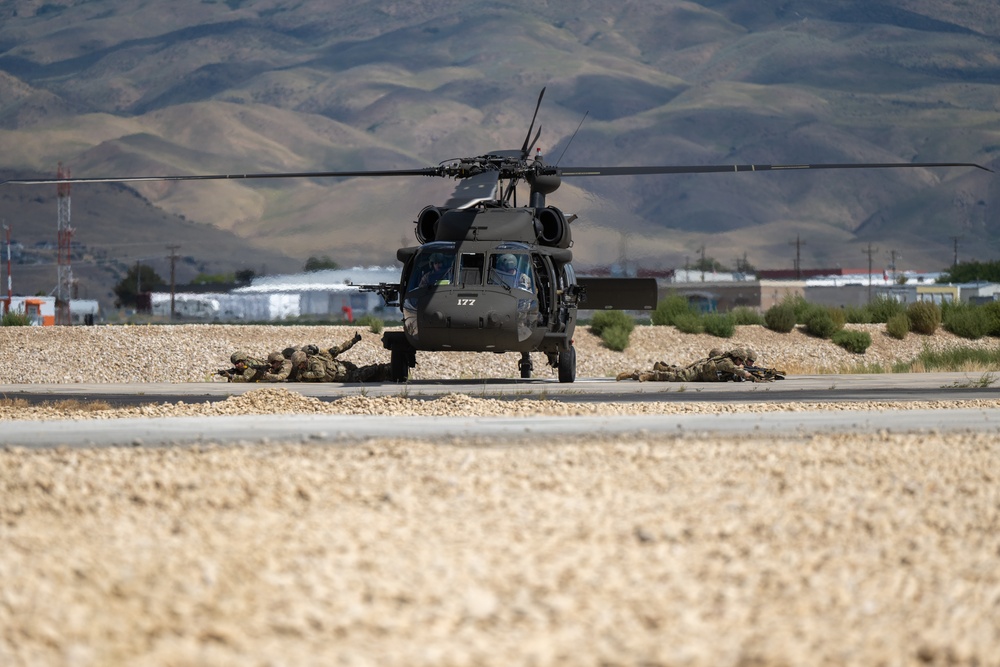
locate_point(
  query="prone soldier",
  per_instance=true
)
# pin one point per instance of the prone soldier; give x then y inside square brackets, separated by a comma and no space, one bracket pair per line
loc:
[279,369]
[325,367]
[245,368]
[716,368]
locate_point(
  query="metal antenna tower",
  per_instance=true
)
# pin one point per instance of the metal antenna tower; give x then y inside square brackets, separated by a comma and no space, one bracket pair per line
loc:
[64,232]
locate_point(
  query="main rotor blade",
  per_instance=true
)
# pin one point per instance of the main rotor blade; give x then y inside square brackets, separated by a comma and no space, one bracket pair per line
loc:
[524,147]
[427,171]
[720,168]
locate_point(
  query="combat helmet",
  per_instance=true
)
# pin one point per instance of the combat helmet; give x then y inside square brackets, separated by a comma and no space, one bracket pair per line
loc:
[299,357]
[275,357]
[737,353]
[751,355]
[238,357]
[507,262]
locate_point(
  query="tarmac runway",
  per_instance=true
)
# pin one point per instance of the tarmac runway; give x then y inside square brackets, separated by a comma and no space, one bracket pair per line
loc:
[859,389]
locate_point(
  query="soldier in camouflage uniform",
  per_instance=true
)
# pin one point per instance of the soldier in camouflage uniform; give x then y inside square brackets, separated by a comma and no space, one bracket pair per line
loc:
[245,368]
[717,368]
[351,372]
[309,368]
[279,369]
[325,367]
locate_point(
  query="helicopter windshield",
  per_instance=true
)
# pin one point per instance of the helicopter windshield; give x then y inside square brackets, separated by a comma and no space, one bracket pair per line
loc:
[434,265]
[511,270]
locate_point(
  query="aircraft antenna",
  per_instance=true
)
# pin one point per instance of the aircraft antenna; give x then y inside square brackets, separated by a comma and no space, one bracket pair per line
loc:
[572,137]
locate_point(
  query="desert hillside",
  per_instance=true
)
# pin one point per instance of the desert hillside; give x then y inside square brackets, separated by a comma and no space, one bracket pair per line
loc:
[195,87]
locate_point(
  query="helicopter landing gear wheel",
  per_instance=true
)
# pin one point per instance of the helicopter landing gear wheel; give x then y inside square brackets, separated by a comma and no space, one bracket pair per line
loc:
[399,363]
[567,365]
[524,365]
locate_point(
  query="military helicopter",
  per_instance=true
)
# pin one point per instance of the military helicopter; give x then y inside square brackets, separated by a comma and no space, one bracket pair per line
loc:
[488,275]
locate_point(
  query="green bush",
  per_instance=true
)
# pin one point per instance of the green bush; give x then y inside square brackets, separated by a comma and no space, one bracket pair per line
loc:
[898,326]
[857,315]
[823,323]
[743,315]
[610,319]
[616,337]
[992,310]
[691,323]
[374,324]
[800,306]
[852,341]
[966,321]
[925,317]
[669,309]
[15,320]
[719,325]
[780,317]
[882,308]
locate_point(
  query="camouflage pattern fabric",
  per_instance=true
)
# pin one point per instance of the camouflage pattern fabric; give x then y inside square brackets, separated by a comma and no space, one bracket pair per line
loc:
[316,370]
[371,373]
[718,368]
[282,374]
[252,372]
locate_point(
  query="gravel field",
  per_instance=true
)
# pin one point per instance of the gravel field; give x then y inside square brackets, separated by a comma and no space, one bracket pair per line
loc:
[743,551]
[191,353]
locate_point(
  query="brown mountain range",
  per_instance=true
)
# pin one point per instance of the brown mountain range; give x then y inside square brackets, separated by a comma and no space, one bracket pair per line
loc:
[194,87]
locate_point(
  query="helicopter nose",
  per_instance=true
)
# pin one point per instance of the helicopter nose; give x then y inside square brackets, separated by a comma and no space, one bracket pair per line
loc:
[493,319]
[437,318]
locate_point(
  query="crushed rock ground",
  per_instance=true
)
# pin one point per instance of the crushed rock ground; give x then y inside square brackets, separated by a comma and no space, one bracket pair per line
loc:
[821,550]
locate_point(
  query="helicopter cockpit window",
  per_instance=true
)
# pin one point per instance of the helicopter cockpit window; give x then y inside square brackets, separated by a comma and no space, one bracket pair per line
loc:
[511,271]
[434,266]
[472,269]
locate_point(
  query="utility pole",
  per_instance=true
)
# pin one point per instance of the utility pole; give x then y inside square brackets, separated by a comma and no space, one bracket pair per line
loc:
[893,256]
[871,251]
[64,234]
[798,243]
[954,261]
[173,264]
[6,308]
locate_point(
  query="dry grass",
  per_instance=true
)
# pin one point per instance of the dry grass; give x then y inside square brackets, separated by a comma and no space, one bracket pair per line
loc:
[66,405]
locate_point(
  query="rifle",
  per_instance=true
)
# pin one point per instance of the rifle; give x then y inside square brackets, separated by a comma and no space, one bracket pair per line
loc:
[228,373]
[765,374]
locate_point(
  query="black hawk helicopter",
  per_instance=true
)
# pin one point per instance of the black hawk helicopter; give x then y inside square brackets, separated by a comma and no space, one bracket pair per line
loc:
[489,275]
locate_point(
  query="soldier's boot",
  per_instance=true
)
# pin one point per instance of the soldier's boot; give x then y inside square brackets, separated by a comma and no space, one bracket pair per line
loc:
[627,375]
[663,366]
[646,377]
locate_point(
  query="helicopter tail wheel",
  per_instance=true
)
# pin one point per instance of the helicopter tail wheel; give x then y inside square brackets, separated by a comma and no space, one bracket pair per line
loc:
[567,365]
[399,363]
[524,365]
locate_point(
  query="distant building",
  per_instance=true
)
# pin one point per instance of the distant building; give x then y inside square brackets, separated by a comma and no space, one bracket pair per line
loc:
[85,311]
[724,296]
[979,292]
[41,310]
[933,292]
[327,294]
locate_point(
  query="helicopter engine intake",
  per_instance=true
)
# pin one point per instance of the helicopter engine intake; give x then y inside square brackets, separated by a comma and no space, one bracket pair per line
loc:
[554,228]
[427,223]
